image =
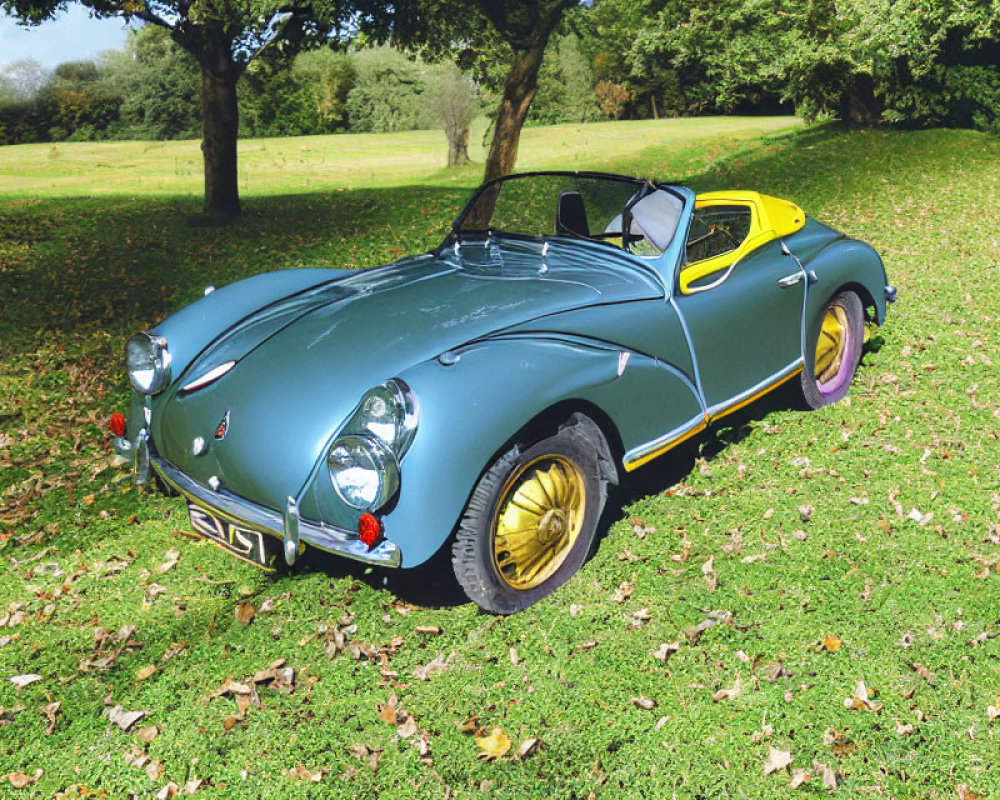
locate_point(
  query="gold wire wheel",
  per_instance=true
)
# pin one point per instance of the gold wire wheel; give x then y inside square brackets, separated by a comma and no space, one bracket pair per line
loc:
[831,344]
[538,520]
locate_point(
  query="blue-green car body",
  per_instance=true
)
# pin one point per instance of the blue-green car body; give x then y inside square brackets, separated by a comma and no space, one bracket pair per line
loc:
[493,335]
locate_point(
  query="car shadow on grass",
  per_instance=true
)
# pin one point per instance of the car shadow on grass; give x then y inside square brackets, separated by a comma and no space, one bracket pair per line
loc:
[433,585]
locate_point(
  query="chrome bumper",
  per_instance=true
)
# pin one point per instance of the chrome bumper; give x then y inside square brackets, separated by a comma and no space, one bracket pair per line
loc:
[288,527]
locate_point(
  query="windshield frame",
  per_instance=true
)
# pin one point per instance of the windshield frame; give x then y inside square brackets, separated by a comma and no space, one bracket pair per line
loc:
[643,187]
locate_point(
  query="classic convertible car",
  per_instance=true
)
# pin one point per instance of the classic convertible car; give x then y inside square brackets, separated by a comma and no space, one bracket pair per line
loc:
[485,395]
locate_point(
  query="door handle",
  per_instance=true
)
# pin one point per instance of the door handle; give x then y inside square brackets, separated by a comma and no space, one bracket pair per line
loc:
[790,280]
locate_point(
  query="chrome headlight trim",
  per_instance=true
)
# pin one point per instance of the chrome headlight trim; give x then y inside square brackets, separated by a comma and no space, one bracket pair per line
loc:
[389,413]
[147,361]
[363,471]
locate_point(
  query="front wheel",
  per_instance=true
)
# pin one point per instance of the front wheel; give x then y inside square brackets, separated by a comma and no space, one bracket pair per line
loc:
[531,521]
[833,350]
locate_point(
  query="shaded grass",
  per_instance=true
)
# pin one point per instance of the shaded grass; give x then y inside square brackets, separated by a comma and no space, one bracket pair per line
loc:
[920,429]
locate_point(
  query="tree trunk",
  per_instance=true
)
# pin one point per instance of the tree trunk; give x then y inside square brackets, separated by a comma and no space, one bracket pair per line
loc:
[518,92]
[220,130]
[458,148]
[652,102]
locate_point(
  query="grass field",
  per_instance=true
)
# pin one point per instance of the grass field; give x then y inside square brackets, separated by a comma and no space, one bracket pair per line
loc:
[857,544]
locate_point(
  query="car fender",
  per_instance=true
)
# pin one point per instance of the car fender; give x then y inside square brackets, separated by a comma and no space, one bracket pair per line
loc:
[195,326]
[473,402]
[846,263]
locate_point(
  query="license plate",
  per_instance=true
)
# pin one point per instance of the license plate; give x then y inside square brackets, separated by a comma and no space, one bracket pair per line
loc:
[252,546]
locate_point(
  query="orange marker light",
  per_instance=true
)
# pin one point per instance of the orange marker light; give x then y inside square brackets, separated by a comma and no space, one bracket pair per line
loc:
[369,530]
[117,424]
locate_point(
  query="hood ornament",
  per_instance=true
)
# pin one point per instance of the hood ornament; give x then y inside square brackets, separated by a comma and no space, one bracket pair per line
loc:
[223,427]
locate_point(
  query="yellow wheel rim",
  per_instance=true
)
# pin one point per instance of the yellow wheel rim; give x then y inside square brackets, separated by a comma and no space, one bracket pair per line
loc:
[830,345]
[538,520]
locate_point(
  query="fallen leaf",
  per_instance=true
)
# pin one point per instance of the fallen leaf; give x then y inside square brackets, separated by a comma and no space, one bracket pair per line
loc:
[168,791]
[806,512]
[643,702]
[49,712]
[708,571]
[665,650]
[147,734]
[19,780]
[245,613]
[776,759]
[992,712]
[437,664]
[731,693]
[429,630]
[125,719]
[799,776]
[303,774]
[171,558]
[515,659]
[494,746]
[903,730]
[20,681]
[862,699]
[527,747]
[923,672]
[623,592]
[193,785]
[828,776]
[407,727]
[829,643]
[145,672]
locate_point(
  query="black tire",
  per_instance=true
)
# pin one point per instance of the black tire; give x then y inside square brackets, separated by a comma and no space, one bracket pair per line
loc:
[573,450]
[830,379]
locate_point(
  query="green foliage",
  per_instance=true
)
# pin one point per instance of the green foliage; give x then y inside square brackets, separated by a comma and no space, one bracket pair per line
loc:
[386,93]
[565,85]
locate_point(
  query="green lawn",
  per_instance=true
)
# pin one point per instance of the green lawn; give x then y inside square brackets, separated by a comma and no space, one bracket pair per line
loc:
[872,526]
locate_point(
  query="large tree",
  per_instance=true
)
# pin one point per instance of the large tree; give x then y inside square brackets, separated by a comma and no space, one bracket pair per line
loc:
[223,36]
[483,35]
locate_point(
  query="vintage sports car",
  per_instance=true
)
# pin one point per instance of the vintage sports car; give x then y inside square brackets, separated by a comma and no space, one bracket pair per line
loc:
[485,395]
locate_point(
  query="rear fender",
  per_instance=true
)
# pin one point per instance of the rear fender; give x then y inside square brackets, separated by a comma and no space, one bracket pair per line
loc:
[846,264]
[471,410]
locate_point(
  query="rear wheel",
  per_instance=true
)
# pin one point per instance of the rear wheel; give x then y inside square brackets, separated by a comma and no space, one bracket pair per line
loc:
[531,520]
[833,350]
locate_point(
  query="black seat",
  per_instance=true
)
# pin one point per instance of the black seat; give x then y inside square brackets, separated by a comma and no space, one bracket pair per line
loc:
[571,216]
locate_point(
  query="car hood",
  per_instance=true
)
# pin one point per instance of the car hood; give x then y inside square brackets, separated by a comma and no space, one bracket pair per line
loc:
[303,363]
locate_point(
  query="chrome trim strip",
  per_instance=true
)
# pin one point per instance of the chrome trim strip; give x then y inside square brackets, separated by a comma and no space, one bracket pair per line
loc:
[694,356]
[141,459]
[642,450]
[242,512]
[756,389]
[212,375]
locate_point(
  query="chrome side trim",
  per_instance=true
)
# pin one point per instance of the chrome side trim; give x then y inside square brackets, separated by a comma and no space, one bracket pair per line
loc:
[140,459]
[641,452]
[760,388]
[249,515]
[292,524]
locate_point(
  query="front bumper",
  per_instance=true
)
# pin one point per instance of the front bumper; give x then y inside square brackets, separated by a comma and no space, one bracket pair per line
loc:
[288,527]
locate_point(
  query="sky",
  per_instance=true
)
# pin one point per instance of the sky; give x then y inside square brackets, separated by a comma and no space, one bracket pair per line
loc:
[72,36]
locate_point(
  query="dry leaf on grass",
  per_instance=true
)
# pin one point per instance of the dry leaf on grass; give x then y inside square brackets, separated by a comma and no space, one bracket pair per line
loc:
[827,775]
[708,570]
[19,780]
[245,613]
[830,644]
[428,630]
[437,664]
[494,745]
[799,776]
[862,699]
[303,774]
[20,681]
[731,693]
[665,650]
[992,712]
[644,703]
[147,734]
[145,672]
[527,747]
[776,759]
[623,592]
[124,719]
[171,557]
[49,712]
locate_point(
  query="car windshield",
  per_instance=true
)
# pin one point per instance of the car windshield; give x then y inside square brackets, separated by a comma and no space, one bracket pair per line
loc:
[582,206]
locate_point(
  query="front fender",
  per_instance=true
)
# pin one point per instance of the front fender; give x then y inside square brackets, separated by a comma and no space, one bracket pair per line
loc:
[470,410]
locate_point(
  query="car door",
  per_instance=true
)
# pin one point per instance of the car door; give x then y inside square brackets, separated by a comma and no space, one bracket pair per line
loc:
[741,301]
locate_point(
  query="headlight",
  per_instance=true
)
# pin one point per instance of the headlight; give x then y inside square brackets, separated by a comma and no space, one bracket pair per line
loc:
[364,459]
[389,413]
[363,471]
[148,363]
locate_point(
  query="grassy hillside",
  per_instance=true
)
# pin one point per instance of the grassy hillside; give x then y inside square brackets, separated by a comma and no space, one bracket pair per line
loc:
[856,544]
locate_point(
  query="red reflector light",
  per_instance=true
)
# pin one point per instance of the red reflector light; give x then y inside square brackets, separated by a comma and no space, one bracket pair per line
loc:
[117,424]
[369,530]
